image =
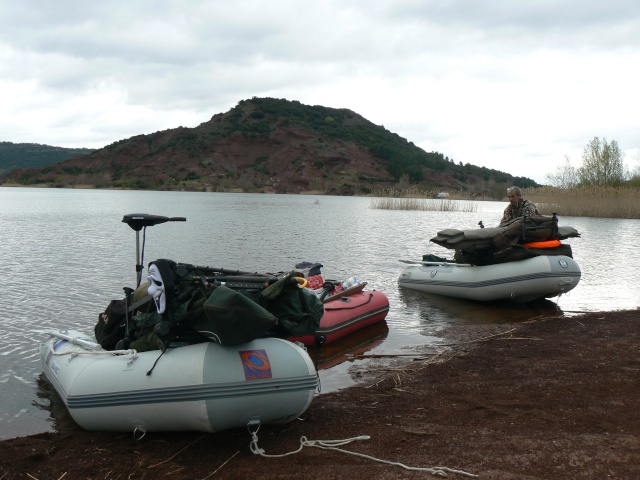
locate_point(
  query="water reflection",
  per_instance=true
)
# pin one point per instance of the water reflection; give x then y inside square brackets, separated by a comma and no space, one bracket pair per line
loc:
[49,400]
[337,360]
[356,343]
[436,311]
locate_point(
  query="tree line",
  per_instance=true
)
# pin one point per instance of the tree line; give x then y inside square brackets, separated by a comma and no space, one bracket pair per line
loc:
[602,166]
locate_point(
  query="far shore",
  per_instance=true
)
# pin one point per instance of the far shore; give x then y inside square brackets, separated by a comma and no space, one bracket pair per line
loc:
[594,202]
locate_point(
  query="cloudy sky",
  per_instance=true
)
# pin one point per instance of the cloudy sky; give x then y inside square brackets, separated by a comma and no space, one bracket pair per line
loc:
[510,85]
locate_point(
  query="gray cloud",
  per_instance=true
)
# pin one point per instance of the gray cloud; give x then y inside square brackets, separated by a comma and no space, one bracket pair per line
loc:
[508,85]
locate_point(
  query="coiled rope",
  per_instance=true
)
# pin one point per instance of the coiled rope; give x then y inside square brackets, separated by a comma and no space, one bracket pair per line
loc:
[334,444]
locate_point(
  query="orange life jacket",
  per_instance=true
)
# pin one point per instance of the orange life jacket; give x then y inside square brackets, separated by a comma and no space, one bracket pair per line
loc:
[543,244]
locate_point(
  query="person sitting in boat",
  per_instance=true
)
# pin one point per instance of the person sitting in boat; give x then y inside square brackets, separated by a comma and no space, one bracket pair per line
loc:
[518,207]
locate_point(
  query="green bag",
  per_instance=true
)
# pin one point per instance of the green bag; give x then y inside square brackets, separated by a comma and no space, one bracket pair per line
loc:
[232,318]
[143,337]
[299,312]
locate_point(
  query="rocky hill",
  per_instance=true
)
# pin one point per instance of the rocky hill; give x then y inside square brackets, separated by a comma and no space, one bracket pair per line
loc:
[269,145]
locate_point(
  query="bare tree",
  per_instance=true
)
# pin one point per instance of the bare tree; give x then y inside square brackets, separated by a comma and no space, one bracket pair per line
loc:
[566,176]
[602,164]
[634,173]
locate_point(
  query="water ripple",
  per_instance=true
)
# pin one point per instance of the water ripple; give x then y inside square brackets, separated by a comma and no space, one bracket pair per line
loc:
[65,254]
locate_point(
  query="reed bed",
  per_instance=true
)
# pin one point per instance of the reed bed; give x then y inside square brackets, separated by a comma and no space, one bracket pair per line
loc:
[409,192]
[599,202]
[414,199]
[414,192]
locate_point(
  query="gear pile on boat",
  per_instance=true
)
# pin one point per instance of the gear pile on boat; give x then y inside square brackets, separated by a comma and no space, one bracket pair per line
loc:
[188,304]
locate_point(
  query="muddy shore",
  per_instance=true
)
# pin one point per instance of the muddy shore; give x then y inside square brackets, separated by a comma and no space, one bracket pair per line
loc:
[551,398]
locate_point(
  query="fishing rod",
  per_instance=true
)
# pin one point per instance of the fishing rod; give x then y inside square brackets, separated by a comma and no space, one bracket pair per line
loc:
[225,271]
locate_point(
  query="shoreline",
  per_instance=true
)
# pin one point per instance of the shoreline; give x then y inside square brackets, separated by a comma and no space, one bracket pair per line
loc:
[554,397]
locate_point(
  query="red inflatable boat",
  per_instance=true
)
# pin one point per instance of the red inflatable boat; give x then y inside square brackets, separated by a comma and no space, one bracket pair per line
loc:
[347,312]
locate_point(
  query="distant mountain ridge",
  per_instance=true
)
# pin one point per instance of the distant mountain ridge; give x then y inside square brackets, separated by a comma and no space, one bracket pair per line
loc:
[270,145]
[34,155]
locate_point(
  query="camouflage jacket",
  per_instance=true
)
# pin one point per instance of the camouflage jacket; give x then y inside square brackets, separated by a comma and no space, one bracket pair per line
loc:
[524,208]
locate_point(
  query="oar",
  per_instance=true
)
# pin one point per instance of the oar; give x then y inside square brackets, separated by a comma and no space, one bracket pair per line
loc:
[77,341]
[445,263]
[91,346]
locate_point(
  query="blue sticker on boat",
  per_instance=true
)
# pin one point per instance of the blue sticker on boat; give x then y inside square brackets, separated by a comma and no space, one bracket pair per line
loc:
[256,364]
[58,344]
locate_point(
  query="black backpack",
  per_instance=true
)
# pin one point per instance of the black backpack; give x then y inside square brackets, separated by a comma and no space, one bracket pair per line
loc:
[111,325]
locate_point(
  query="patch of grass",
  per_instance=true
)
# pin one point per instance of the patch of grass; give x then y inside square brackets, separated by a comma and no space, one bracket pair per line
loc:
[598,202]
[425,204]
[417,199]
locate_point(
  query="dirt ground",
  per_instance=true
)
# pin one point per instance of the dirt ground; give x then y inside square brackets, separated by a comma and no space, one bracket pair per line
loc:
[553,398]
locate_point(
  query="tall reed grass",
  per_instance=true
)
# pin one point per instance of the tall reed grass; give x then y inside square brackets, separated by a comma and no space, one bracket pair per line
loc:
[415,199]
[600,202]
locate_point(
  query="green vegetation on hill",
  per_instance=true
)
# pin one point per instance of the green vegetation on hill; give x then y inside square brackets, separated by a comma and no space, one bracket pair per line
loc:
[402,157]
[33,155]
[269,145]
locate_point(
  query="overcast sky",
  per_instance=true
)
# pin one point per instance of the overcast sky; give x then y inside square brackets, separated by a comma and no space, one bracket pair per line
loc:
[510,85]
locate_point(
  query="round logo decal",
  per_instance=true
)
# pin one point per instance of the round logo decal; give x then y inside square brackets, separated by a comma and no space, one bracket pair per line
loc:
[563,263]
[256,364]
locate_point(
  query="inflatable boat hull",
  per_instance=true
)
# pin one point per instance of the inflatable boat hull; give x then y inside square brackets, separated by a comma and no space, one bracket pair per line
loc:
[204,387]
[522,281]
[347,314]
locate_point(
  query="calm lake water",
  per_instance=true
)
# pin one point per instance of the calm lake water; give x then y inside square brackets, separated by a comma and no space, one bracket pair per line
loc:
[65,254]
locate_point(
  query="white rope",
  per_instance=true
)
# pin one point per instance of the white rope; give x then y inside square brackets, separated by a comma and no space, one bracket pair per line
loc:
[334,444]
